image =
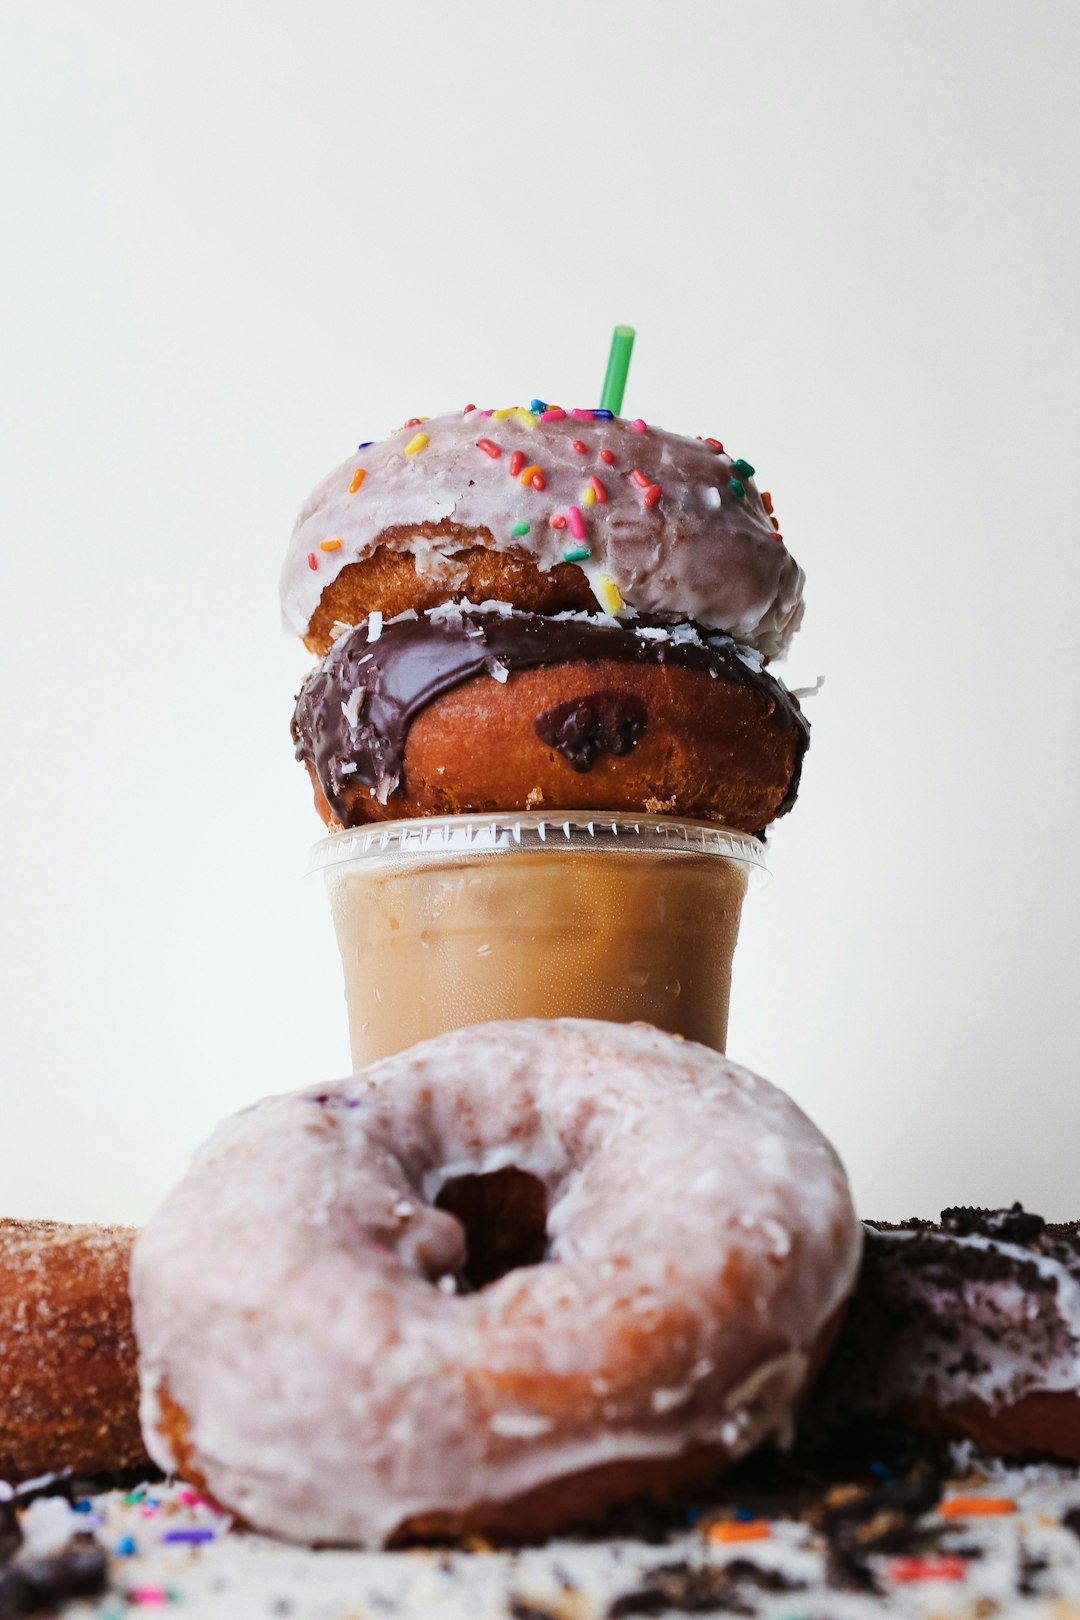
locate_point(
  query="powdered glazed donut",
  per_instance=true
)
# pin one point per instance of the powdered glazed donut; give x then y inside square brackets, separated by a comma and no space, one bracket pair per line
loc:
[495,1282]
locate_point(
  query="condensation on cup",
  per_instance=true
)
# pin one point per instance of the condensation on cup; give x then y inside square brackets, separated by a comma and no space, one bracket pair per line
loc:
[454,920]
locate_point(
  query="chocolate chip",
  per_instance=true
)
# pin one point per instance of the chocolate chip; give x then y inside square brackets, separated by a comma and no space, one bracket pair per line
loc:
[702,1589]
[583,728]
[28,1587]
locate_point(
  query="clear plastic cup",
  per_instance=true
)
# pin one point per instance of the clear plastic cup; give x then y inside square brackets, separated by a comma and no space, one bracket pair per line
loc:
[453,920]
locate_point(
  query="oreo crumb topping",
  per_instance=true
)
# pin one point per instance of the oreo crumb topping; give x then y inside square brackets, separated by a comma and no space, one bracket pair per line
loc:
[969,1313]
[684,1588]
[35,1584]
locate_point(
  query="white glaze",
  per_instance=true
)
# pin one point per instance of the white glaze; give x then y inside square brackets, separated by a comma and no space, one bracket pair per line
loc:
[699,553]
[286,1300]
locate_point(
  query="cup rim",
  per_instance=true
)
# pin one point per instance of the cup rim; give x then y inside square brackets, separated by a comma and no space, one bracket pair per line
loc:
[618,832]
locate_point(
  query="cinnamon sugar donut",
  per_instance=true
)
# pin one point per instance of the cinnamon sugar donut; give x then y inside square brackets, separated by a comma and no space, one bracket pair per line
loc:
[68,1384]
[494,1283]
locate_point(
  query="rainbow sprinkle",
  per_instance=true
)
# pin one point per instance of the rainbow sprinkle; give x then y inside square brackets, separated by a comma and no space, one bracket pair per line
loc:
[577,554]
[588,496]
[517,461]
[598,490]
[748,1530]
[971,1507]
[417,442]
[530,474]
[357,479]
[577,527]
[312,561]
[638,425]
[742,468]
[582,449]
[737,488]
[609,594]
[518,529]
[489,447]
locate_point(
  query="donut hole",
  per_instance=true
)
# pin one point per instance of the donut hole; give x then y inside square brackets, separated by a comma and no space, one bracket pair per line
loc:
[504,1214]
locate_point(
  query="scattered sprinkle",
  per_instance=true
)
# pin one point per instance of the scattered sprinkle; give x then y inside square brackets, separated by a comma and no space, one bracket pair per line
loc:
[737,488]
[500,416]
[716,445]
[582,449]
[518,529]
[766,501]
[746,1530]
[517,461]
[489,447]
[638,425]
[577,527]
[598,489]
[538,406]
[588,496]
[554,414]
[963,1507]
[640,478]
[557,521]
[528,474]
[312,561]
[577,554]
[468,410]
[125,1547]
[652,494]
[357,479]
[148,1594]
[525,417]
[602,415]
[610,596]
[417,442]
[329,545]
[192,1533]
[946,1567]
[743,468]
[367,444]
[607,456]
[581,416]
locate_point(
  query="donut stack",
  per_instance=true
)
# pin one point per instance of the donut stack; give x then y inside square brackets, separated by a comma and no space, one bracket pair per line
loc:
[544,609]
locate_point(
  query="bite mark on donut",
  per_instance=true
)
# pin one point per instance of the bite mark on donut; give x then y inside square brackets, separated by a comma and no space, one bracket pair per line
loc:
[583,728]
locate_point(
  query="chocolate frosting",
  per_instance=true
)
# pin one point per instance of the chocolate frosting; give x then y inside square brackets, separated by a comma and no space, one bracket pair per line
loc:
[354,711]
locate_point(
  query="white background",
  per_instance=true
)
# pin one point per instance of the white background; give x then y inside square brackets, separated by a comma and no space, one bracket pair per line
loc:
[238,238]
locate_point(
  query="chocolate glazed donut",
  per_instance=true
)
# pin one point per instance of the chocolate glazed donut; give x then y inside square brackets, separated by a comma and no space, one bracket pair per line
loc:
[463,710]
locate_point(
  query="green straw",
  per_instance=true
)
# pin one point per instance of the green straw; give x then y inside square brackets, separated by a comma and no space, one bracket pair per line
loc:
[618,365]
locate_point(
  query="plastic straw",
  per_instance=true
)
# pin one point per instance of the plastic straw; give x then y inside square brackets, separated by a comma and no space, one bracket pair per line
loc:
[618,365]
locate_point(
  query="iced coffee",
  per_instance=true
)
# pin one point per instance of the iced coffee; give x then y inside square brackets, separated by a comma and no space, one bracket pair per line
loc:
[456,920]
